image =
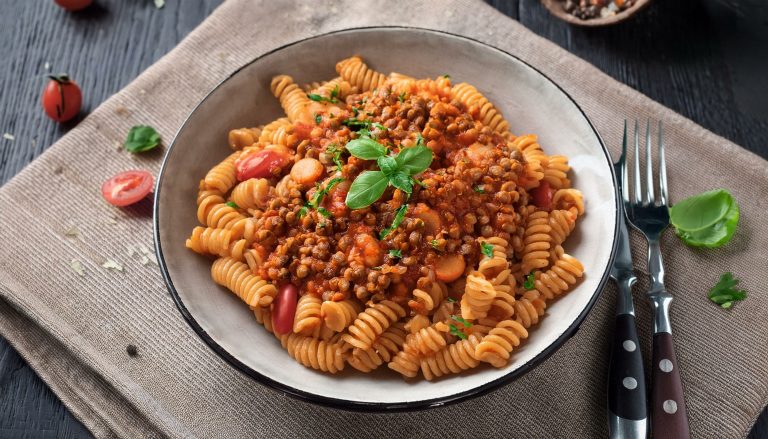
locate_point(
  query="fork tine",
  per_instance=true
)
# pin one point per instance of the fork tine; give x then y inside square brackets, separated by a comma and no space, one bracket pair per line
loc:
[638,182]
[649,198]
[623,162]
[662,168]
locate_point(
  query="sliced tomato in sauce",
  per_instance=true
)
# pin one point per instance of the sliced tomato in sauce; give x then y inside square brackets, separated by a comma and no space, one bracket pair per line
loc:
[127,187]
[284,309]
[262,164]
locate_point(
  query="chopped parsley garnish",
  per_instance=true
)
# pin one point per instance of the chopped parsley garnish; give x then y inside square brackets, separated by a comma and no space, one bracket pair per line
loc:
[318,118]
[356,124]
[457,332]
[355,111]
[395,253]
[399,216]
[434,243]
[317,198]
[232,204]
[336,150]
[486,249]
[447,76]
[451,300]
[401,98]
[724,293]
[321,98]
[529,281]
[462,321]
[479,189]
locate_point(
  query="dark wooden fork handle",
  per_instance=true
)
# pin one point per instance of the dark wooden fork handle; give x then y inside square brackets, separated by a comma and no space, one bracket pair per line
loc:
[669,417]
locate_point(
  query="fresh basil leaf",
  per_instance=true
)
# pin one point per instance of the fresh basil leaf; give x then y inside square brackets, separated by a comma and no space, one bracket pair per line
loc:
[714,235]
[414,160]
[367,188]
[399,216]
[387,164]
[401,181]
[366,148]
[724,293]
[701,211]
[141,138]
[486,249]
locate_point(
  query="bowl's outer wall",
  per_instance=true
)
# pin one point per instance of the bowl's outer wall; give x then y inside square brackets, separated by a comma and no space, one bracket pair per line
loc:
[531,103]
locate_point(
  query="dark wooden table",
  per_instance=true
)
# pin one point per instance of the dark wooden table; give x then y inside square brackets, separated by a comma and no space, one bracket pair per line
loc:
[706,59]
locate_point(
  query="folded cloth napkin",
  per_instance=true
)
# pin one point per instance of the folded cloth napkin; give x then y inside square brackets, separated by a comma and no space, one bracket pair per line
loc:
[73,328]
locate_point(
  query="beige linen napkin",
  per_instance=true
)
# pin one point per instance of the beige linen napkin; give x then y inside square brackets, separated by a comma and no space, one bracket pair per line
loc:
[74,329]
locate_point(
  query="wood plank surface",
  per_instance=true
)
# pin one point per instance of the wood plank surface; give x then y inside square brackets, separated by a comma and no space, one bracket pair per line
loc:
[706,59]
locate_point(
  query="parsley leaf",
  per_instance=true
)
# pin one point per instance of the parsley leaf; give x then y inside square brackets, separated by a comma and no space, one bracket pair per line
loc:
[479,189]
[232,204]
[317,198]
[401,98]
[318,118]
[462,321]
[141,138]
[724,293]
[434,243]
[457,332]
[486,249]
[356,124]
[447,76]
[336,151]
[529,283]
[399,216]
[451,300]
[321,98]
[395,253]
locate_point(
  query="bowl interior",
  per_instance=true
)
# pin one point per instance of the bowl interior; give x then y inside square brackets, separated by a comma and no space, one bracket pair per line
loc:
[531,103]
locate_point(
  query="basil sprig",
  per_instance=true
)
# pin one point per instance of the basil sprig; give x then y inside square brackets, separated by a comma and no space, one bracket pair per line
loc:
[397,171]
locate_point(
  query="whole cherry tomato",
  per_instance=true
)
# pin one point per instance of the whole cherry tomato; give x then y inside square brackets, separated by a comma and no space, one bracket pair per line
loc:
[127,187]
[62,98]
[284,309]
[73,5]
[262,164]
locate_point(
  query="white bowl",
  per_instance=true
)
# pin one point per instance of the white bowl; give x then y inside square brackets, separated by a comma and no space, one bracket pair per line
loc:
[531,102]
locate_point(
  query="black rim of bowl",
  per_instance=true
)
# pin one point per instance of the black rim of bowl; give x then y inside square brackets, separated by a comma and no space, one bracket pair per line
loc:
[379,406]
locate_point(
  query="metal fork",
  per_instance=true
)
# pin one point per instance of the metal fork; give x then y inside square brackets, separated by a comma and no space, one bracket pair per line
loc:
[649,215]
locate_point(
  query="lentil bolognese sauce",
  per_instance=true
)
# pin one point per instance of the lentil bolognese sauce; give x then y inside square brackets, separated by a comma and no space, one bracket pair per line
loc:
[388,219]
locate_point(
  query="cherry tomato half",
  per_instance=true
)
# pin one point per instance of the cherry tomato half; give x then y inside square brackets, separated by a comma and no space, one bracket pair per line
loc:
[62,98]
[127,187]
[262,164]
[542,196]
[73,5]
[284,309]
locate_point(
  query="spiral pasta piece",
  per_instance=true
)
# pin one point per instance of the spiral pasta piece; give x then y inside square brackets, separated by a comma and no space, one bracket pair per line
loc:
[492,266]
[263,315]
[241,137]
[276,132]
[223,176]
[383,350]
[314,353]
[556,172]
[307,318]
[562,223]
[444,311]
[372,322]
[250,193]
[487,113]
[222,216]
[529,308]
[406,364]
[236,276]
[478,297]
[428,294]
[293,100]
[569,199]
[537,241]
[558,279]
[495,348]
[453,358]
[425,341]
[206,240]
[357,73]
[337,88]
[339,315]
